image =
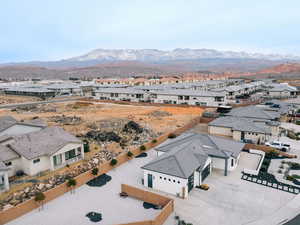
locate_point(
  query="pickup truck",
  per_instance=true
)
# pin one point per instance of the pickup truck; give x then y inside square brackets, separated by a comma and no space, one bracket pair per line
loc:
[279,145]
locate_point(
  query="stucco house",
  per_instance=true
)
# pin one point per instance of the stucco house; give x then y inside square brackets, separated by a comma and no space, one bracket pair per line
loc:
[35,152]
[10,126]
[282,90]
[184,162]
[257,131]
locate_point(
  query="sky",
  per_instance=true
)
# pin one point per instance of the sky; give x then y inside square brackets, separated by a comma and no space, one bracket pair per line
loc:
[58,29]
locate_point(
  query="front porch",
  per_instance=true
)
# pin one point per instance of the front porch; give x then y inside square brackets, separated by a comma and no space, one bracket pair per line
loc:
[67,157]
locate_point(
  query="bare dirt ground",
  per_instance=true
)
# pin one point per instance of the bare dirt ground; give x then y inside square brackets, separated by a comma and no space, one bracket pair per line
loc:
[159,119]
[11,99]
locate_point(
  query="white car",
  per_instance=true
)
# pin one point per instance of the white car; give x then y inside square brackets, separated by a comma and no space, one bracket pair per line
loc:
[279,145]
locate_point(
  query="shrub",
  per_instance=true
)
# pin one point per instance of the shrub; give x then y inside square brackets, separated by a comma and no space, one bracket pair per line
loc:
[298,122]
[39,197]
[129,154]
[95,171]
[290,178]
[172,135]
[154,141]
[295,176]
[142,147]
[113,162]
[71,182]
[295,166]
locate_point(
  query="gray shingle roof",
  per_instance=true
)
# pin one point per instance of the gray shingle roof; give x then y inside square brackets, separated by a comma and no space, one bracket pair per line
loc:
[44,142]
[254,112]
[188,152]
[7,154]
[6,122]
[242,124]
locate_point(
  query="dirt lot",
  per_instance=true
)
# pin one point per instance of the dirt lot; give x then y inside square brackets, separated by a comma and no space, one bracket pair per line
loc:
[159,119]
[11,99]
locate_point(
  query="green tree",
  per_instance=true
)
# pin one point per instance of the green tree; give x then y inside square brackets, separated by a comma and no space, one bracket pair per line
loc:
[39,197]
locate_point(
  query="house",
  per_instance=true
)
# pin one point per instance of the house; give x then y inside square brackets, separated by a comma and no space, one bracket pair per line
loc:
[30,91]
[4,183]
[47,149]
[245,129]
[189,97]
[10,126]
[184,162]
[121,94]
[255,112]
[282,90]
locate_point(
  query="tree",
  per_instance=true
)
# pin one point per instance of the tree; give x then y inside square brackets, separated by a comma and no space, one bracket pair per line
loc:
[95,171]
[113,162]
[154,141]
[142,147]
[172,135]
[129,154]
[39,198]
[71,183]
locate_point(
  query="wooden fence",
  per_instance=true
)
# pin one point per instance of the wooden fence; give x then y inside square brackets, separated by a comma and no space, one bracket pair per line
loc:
[146,196]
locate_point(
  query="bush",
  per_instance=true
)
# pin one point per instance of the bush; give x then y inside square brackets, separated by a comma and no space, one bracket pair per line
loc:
[172,135]
[295,176]
[142,147]
[71,182]
[129,154]
[295,166]
[154,141]
[298,122]
[39,196]
[95,171]
[290,178]
[113,162]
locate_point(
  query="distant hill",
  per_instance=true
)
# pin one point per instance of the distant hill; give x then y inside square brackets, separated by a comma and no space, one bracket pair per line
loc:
[141,62]
[283,68]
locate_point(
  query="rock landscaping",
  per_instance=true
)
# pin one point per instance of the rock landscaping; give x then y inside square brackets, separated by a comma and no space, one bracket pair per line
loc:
[66,120]
[94,216]
[148,205]
[99,181]
[142,155]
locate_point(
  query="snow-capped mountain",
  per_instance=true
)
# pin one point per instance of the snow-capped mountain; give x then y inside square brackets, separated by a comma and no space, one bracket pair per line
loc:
[176,54]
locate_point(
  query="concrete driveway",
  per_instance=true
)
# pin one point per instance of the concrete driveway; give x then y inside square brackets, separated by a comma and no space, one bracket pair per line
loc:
[230,200]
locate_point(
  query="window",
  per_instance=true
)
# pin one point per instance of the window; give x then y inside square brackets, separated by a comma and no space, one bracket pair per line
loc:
[174,181]
[36,160]
[79,150]
[180,97]
[160,177]
[169,179]
[232,162]
[8,163]
[178,182]
[70,154]
[186,97]
[165,178]
[57,160]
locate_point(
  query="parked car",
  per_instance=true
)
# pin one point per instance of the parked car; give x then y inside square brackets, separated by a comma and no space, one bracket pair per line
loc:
[279,145]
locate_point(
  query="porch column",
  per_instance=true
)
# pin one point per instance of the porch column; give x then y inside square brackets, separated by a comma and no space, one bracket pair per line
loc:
[226,167]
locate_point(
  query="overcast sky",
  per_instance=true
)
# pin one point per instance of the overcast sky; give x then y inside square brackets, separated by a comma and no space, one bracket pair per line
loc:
[56,29]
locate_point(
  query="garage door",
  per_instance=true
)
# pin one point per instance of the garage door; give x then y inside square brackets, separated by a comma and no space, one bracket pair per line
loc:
[205,173]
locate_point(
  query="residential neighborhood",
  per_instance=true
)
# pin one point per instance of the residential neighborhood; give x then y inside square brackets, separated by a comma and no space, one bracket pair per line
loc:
[185,141]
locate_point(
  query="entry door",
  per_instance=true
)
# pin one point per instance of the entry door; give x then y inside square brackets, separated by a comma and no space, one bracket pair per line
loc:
[150,180]
[191,182]
[242,135]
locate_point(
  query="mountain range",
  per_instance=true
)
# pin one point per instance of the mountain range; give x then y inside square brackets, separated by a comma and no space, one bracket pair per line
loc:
[129,62]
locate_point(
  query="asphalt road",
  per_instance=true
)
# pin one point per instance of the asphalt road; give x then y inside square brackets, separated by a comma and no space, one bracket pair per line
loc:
[40,102]
[295,221]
